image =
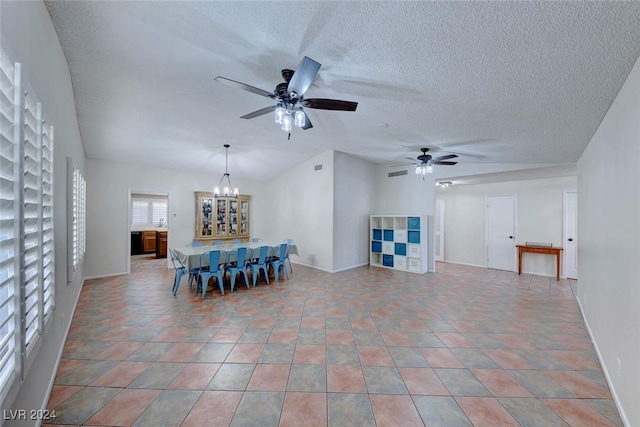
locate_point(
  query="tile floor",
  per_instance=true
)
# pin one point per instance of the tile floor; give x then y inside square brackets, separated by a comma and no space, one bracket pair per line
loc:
[369,346]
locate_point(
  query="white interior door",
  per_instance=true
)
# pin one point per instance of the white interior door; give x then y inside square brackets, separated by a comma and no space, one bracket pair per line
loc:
[500,232]
[570,226]
[439,230]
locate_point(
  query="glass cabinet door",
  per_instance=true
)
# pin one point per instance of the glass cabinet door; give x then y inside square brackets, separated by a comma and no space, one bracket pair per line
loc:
[221,217]
[233,217]
[206,205]
[244,217]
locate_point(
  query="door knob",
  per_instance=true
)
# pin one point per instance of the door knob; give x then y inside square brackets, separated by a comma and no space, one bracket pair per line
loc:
[570,239]
[511,237]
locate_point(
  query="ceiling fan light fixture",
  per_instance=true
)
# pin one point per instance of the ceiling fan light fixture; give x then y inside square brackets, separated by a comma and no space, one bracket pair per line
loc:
[286,123]
[444,184]
[227,189]
[424,168]
[299,117]
[279,113]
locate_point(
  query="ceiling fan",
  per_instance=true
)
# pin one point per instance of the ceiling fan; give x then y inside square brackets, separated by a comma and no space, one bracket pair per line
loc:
[289,96]
[425,162]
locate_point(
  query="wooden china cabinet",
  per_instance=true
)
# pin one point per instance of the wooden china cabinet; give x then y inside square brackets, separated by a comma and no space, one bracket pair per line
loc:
[221,218]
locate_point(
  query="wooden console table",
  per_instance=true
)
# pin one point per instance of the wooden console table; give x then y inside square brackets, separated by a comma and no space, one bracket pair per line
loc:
[539,250]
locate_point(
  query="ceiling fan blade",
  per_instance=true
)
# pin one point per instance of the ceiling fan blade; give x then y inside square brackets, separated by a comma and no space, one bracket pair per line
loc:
[243,86]
[307,122]
[411,158]
[259,112]
[446,157]
[330,104]
[437,162]
[303,77]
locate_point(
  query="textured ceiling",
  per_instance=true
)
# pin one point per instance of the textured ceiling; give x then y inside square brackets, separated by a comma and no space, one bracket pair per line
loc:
[496,82]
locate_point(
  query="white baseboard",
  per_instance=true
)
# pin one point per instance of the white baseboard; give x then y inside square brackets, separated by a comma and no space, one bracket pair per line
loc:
[463,263]
[623,415]
[326,270]
[59,357]
[103,276]
[350,268]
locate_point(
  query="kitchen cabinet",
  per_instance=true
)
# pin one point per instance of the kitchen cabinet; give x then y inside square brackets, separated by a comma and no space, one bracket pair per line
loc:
[221,218]
[148,241]
[161,244]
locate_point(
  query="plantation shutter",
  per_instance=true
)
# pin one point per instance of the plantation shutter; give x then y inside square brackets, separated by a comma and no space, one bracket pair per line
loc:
[32,224]
[139,212]
[159,212]
[48,261]
[10,212]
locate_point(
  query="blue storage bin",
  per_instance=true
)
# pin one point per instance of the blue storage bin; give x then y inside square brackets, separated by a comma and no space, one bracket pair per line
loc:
[387,260]
[377,234]
[413,223]
[388,235]
[401,249]
[376,247]
[413,236]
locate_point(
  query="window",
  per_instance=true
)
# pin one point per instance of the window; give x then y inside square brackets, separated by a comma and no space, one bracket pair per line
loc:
[77,202]
[27,277]
[139,212]
[148,211]
[159,212]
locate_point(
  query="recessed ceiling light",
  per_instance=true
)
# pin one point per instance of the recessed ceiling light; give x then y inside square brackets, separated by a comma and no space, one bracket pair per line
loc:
[383,125]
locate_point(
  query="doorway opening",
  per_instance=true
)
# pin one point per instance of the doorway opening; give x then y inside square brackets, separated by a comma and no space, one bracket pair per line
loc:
[148,225]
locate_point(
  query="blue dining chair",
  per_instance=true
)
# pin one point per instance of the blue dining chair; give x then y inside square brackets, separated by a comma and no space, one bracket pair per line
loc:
[216,258]
[259,263]
[277,261]
[194,244]
[255,239]
[217,242]
[237,241]
[240,266]
[181,270]
[289,242]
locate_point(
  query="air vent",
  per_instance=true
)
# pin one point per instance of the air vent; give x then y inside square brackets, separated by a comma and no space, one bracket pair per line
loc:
[318,167]
[397,173]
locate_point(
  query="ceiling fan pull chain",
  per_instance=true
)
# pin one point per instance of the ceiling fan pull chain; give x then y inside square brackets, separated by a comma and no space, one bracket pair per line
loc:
[289,137]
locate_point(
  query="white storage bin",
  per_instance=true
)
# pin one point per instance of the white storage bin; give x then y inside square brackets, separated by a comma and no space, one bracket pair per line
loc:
[376,259]
[400,263]
[414,264]
[413,250]
[388,248]
[400,236]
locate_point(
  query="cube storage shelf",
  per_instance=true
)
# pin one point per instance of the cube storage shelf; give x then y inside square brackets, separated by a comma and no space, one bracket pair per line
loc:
[399,242]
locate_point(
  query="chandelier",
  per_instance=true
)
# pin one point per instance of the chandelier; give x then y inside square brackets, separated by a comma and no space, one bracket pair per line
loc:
[286,115]
[227,190]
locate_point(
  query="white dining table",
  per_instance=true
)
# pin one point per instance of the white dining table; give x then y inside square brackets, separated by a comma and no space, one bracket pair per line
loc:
[190,255]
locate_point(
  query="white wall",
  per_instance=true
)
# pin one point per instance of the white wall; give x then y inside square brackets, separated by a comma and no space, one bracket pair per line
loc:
[353,196]
[108,186]
[539,219]
[609,244]
[28,37]
[300,206]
